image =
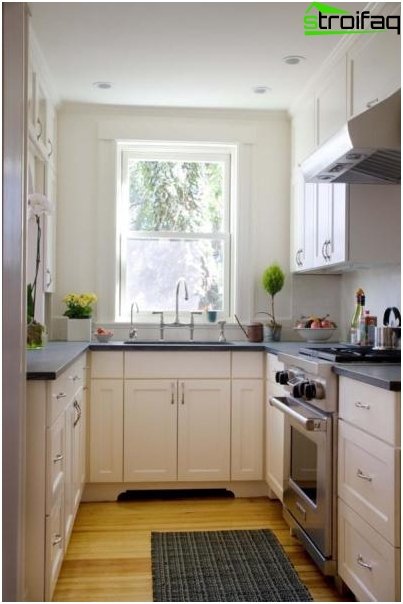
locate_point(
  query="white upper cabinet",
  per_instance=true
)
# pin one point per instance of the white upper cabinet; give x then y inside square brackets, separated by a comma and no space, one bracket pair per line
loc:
[373,69]
[303,130]
[330,225]
[304,199]
[331,102]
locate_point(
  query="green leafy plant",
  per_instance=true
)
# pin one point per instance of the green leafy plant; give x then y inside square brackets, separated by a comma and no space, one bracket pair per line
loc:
[273,280]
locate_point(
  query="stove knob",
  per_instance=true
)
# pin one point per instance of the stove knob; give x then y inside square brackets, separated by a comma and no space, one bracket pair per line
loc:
[282,377]
[299,389]
[310,391]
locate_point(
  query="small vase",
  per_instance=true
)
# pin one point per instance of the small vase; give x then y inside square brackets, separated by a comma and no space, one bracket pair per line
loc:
[79,330]
[36,335]
[272,333]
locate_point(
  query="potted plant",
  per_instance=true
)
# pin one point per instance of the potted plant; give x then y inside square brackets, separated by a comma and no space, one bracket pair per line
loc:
[79,313]
[38,205]
[272,281]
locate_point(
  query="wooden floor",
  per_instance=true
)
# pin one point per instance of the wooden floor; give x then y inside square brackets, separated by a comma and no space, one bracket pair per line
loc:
[109,560]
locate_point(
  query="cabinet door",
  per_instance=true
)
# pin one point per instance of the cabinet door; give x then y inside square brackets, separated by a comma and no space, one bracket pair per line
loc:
[49,234]
[79,448]
[247,430]
[106,431]
[150,430]
[274,436]
[330,242]
[337,246]
[204,430]
[69,415]
[303,130]
[331,103]
[374,69]
[304,198]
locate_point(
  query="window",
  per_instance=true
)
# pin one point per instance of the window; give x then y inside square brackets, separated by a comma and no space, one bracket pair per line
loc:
[174,220]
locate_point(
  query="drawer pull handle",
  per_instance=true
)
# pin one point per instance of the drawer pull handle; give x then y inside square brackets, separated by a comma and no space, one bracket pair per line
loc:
[183,392]
[172,393]
[57,539]
[61,395]
[361,562]
[78,409]
[361,405]
[360,474]
[372,103]
[58,457]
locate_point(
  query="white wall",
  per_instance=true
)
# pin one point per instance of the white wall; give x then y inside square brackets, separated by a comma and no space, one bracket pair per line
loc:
[86,193]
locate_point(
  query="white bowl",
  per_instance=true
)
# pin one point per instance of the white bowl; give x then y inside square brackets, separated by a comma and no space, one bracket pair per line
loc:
[318,334]
[103,337]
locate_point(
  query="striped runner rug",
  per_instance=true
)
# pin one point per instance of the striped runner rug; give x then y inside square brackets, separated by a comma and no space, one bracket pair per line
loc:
[223,566]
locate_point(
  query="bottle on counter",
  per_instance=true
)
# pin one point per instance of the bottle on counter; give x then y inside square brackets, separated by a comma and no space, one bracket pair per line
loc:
[362,336]
[356,319]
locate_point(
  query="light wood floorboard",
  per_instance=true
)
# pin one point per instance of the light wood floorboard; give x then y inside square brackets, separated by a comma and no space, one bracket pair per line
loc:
[109,555]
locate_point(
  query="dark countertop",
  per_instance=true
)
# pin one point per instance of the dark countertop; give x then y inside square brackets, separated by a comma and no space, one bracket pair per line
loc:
[381,375]
[48,363]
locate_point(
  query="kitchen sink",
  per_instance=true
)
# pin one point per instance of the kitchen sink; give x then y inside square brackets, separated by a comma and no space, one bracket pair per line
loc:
[174,343]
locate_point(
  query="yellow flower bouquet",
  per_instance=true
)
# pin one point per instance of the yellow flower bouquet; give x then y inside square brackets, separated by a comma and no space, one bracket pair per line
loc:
[79,306]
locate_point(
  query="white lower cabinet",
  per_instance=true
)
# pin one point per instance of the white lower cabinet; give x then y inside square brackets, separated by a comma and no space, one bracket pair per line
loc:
[164,417]
[274,431]
[55,475]
[176,430]
[106,430]
[247,428]
[150,430]
[369,491]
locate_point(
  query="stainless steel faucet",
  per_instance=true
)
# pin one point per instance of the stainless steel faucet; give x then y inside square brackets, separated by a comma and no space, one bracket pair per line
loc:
[178,283]
[133,330]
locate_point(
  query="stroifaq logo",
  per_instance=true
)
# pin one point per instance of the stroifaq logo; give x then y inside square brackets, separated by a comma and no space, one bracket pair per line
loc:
[322,19]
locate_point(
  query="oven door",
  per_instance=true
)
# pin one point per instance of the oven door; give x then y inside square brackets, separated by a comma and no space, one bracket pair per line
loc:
[308,470]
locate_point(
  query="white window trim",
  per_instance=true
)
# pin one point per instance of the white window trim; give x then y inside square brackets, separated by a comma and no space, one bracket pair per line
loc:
[223,152]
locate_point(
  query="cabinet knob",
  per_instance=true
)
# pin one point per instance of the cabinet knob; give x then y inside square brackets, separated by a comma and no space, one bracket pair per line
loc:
[61,395]
[361,405]
[57,458]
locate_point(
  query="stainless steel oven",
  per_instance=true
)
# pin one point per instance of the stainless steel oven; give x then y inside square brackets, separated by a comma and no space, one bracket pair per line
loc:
[309,455]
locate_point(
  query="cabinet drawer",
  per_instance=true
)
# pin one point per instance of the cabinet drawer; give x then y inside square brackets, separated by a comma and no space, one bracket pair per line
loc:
[372,409]
[64,387]
[107,364]
[177,364]
[55,461]
[368,479]
[247,365]
[54,545]
[359,545]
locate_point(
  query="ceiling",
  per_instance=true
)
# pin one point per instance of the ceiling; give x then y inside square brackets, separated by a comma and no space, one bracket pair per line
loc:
[179,54]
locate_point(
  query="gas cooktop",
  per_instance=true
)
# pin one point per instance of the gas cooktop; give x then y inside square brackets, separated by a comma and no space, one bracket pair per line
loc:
[352,354]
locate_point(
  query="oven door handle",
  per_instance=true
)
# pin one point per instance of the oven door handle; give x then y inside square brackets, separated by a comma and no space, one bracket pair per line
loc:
[309,424]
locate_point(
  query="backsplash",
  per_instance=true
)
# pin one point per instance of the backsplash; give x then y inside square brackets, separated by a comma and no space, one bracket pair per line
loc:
[382,287]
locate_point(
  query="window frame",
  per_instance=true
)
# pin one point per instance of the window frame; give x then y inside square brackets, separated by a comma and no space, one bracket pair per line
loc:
[182,151]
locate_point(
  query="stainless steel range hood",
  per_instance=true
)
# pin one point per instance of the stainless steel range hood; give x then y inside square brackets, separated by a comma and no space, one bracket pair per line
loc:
[366,150]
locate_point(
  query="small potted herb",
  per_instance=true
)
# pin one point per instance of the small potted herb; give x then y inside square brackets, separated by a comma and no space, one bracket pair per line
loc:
[272,281]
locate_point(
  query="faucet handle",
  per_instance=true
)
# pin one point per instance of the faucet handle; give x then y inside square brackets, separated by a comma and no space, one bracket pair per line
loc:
[193,313]
[222,337]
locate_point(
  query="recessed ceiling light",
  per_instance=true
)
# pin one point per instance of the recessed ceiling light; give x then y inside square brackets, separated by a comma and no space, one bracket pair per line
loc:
[261,89]
[102,85]
[294,59]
